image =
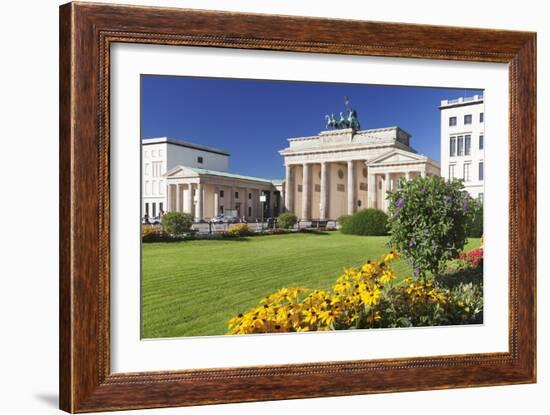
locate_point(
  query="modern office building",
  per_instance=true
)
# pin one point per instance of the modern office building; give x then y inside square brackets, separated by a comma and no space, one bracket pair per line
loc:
[463,142]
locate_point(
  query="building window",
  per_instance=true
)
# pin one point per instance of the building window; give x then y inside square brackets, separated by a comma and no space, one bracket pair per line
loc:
[467,172]
[236,195]
[147,169]
[317,187]
[363,186]
[300,188]
[221,209]
[340,188]
[147,209]
[480,117]
[460,146]
[365,172]
[480,170]
[452,147]
[157,168]
[199,160]
[161,187]
[154,210]
[481,138]
[467,119]
[379,184]
[467,145]
[147,187]
[451,171]
[221,193]
[480,198]
[452,121]
[341,174]
[359,203]
[249,211]
[161,208]
[250,196]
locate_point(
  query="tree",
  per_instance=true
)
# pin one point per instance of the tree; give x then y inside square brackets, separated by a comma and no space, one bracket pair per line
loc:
[429,221]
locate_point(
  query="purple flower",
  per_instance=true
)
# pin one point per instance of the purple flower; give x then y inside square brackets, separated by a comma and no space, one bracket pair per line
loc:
[465,205]
[423,190]
[399,203]
[416,271]
[412,241]
[448,198]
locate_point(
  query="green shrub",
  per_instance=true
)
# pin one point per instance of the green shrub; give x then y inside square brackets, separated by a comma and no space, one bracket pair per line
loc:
[429,219]
[475,229]
[176,223]
[343,219]
[286,220]
[366,222]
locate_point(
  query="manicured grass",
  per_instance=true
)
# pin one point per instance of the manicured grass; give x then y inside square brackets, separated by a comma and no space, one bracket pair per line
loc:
[193,288]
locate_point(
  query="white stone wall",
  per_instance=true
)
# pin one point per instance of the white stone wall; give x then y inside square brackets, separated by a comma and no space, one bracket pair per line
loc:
[473,106]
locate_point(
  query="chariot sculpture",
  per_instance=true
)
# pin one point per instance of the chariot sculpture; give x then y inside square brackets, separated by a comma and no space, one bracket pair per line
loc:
[345,121]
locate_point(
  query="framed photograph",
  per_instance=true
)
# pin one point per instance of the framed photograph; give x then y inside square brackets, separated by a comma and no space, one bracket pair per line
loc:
[258,207]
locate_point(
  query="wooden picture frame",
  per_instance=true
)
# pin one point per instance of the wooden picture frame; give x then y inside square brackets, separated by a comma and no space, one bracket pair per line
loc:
[86,33]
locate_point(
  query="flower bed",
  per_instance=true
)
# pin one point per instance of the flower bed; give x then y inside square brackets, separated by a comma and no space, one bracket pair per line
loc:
[364,297]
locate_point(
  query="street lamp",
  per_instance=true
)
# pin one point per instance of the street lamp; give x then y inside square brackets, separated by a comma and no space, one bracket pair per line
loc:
[263,199]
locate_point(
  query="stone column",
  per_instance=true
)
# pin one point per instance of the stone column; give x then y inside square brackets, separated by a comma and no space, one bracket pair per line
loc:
[351,187]
[216,201]
[200,196]
[169,206]
[306,199]
[323,208]
[423,172]
[407,175]
[178,198]
[371,195]
[289,189]
[386,189]
[190,204]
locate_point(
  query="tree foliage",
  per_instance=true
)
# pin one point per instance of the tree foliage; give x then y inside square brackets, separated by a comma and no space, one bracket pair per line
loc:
[429,221]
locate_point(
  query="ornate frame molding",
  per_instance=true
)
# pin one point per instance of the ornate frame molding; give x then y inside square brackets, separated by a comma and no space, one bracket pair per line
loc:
[86,33]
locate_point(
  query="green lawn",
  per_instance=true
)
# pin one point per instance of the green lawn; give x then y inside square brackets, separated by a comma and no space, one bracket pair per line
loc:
[192,288]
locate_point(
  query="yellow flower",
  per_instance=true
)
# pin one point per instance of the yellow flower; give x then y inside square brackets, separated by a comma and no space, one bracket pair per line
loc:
[386,276]
[370,298]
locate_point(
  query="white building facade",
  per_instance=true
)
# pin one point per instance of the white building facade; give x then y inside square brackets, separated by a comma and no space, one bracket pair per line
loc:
[463,142]
[162,154]
[340,171]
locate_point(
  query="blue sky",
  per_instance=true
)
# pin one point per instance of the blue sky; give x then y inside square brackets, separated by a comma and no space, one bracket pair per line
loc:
[252,119]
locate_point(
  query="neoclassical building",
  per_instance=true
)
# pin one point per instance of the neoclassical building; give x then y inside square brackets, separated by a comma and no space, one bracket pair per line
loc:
[339,171]
[327,175]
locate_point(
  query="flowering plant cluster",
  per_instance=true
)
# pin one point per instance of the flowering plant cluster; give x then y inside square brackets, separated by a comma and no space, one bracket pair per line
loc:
[239,230]
[363,297]
[473,258]
[429,222]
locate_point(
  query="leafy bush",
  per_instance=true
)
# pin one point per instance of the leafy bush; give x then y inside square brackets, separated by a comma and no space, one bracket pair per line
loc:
[287,220]
[239,230]
[429,220]
[176,223]
[343,219]
[366,222]
[364,297]
[475,229]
